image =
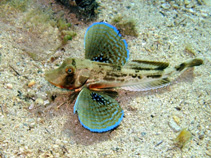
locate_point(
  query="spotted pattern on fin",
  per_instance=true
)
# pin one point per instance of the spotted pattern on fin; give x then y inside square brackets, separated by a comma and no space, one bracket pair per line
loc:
[98,98]
[103,43]
[100,58]
[97,111]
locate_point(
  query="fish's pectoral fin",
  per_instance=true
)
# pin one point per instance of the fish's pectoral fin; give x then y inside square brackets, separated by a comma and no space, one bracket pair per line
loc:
[103,43]
[97,111]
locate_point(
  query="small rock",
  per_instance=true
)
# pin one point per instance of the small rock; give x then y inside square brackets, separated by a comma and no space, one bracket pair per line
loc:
[201,136]
[143,133]
[31,83]
[31,94]
[136,138]
[176,119]
[42,95]
[39,101]
[9,86]
[31,106]
[46,102]
[166,6]
[204,14]
[173,125]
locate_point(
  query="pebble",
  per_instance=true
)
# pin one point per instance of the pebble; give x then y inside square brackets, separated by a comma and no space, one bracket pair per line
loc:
[204,14]
[31,94]
[31,83]
[42,95]
[166,6]
[137,138]
[46,102]
[173,125]
[201,135]
[143,133]
[9,86]
[39,101]
[176,119]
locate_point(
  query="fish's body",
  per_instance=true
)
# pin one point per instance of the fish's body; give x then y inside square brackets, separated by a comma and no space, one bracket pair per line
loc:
[106,69]
[136,75]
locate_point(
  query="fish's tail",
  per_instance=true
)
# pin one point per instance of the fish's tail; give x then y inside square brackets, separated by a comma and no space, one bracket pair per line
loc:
[174,72]
[188,64]
[155,81]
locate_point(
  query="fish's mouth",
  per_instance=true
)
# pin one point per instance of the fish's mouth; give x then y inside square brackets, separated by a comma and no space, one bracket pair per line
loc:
[55,78]
[59,86]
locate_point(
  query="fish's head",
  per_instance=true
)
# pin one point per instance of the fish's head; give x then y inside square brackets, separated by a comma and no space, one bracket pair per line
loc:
[66,76]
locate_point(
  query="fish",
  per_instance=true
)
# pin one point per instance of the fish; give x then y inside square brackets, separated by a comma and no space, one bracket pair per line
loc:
[106,69]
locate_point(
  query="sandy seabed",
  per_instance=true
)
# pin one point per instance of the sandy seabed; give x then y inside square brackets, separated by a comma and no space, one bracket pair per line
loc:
[31,125]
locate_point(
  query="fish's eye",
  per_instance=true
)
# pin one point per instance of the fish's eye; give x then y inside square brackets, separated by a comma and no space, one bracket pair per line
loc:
[69,70]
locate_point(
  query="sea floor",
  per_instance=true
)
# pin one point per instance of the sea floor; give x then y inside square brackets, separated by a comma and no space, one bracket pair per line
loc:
[37,119]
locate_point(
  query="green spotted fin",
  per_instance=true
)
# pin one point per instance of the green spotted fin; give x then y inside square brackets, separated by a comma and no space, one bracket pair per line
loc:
[104,43]
[97,111]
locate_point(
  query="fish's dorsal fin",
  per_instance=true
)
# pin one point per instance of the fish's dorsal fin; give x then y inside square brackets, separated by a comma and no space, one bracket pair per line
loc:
[104,43]
[146,65]
[97,111]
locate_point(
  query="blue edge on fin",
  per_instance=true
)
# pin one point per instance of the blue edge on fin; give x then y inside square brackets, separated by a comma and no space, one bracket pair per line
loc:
[111,26]
[100,130]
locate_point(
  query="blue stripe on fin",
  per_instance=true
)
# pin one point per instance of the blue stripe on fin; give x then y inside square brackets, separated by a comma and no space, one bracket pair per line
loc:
[127,50]
[104,129]
[97,111]
[102,23]
[104,43]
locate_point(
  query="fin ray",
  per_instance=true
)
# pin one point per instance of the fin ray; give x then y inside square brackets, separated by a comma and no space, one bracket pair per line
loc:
[147,85]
